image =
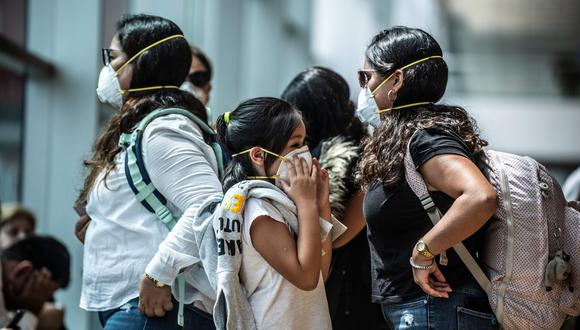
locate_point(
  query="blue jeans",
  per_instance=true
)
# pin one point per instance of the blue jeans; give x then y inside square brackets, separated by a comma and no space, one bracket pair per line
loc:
[466,308]
[129,317]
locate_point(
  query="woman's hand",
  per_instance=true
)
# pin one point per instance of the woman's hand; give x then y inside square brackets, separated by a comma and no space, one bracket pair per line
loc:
[323,191]
[302,188]
[83,222]
[154,301]
[431,280]
[81,227]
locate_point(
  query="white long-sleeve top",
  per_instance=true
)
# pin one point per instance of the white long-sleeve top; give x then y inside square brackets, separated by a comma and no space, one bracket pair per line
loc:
[123,236]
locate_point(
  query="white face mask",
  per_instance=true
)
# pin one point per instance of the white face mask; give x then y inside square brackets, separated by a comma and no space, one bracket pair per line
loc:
[196,91]
[282,173]
[108,88]
[367,108]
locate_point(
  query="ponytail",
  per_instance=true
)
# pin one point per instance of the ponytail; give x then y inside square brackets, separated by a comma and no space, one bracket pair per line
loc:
[265,122]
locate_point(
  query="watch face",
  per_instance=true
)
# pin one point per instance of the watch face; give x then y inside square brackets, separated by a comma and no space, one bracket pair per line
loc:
[421,246]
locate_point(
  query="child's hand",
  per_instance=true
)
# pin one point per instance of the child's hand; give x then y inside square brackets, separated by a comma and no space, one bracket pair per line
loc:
[323,190]
[303,182]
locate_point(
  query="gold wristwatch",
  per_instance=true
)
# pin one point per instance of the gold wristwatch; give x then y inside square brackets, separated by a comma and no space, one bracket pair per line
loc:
[156,282]
[424,250]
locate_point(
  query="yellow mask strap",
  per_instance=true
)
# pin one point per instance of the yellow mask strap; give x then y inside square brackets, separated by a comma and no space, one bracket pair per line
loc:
[264,150]
[123,91]
[263,177]
[146,49]
[404,106]
[403,68]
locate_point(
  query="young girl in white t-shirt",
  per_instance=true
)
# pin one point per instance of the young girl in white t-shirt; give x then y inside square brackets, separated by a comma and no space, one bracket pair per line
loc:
[282,271]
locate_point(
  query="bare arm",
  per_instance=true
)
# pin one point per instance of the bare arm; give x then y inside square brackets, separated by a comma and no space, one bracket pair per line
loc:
[299,260]
[354,220]
[475,202]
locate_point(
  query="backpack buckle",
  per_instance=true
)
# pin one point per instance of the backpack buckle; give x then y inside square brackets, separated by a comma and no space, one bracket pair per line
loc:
[125,140]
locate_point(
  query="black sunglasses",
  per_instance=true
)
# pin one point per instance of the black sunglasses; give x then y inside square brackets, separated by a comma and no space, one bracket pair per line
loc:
[364,76]
[199,78]
[106,56]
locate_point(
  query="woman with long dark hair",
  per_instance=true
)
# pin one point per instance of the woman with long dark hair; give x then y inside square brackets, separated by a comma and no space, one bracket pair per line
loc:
[417,276]
[334,136]
[147,61]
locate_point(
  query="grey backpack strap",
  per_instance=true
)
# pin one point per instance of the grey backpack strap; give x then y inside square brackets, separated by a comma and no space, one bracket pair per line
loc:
[419,187]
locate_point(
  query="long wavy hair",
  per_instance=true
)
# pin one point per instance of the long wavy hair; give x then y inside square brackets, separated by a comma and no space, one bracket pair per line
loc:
[163,65]
[383,153]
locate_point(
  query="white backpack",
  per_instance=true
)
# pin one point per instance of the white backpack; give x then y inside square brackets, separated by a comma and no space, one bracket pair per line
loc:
[531,257]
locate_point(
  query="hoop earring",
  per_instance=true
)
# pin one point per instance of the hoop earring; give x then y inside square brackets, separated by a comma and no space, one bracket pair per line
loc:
[389,96]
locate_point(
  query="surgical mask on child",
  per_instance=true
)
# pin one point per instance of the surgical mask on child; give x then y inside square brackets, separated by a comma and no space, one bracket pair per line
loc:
[282,173]
[108,88]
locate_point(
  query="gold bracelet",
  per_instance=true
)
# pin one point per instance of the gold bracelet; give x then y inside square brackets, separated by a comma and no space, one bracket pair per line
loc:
[156,282]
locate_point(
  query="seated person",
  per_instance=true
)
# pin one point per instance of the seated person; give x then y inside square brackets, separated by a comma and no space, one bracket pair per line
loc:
[16,223]
[31,271]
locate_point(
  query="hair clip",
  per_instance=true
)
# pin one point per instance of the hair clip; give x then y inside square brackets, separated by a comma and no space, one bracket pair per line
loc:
[227,118]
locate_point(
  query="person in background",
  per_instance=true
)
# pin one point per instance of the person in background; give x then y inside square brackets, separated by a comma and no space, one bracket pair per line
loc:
[32,270]
[334,136]
[404,77]
[16,223]
[198,81]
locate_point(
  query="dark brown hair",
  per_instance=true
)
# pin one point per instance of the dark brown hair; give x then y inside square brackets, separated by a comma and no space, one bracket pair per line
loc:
[383,153]
[166,64]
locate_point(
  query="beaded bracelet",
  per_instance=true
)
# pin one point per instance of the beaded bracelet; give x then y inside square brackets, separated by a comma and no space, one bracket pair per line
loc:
[420,266]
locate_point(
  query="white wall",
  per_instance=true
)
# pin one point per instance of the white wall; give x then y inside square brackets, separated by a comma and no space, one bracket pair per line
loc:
[60,124]
[545,128]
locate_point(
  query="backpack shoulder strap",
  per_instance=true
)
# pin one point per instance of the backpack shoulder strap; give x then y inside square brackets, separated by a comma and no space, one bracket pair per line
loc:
[136,173]
[419,187]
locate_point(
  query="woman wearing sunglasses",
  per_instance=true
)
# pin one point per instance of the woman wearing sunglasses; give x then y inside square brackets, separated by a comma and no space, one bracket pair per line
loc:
[198,81]
[147,61]
[417,277]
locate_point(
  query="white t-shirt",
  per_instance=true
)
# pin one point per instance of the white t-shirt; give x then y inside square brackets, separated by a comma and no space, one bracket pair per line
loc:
[276,303]
[123,236]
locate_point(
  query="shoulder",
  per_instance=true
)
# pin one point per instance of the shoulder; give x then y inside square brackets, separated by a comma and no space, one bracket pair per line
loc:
[174,124]
[257,207]
[428,143]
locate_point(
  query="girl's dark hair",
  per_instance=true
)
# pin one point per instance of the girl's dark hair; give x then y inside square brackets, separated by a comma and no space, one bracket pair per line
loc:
[323,98]
[166,64]
[265,122]
[392,49]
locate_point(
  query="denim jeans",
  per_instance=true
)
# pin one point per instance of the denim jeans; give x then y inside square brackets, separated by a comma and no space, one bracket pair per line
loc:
[466,308]
[129,317]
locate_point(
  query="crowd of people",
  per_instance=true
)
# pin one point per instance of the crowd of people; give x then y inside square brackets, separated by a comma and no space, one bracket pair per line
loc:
[275,238]
[291,212]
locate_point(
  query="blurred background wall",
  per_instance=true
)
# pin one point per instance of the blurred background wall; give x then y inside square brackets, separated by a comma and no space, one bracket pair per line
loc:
[515,65]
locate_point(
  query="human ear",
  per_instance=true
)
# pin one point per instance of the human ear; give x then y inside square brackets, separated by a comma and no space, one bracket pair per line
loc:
[257,156]
[398,80]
